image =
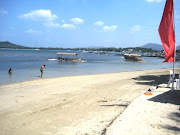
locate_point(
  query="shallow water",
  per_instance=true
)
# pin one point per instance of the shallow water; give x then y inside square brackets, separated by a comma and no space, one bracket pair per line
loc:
[26,65]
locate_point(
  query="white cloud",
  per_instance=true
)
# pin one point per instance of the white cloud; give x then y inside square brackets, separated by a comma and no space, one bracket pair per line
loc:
[63,21]
[109,28]
[51,24]
[3,12]
[39,15]
[104,28]
[154,0]
[99,23]
[44,16]
[135,28]
[77,20]
[68,26]
[30,31]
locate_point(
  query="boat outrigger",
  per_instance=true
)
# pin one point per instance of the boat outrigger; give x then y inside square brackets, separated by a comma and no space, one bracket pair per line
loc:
[74,59]
[132,57]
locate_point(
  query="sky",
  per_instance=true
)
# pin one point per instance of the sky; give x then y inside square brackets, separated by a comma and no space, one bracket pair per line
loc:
[83,23]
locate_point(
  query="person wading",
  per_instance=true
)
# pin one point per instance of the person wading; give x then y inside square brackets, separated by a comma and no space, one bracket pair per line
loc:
[42,69]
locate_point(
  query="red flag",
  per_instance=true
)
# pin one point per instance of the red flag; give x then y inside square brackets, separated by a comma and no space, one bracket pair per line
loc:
[166,31]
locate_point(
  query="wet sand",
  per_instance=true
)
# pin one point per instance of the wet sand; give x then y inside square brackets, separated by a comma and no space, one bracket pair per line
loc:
[77,105]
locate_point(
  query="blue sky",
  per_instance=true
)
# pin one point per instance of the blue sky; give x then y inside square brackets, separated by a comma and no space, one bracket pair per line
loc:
[83,23]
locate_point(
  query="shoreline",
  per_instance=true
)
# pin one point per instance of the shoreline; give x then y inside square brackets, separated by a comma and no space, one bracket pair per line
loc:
[72,105]
[80,75]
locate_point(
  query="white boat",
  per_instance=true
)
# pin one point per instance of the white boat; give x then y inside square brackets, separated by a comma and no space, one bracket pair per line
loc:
[52,59]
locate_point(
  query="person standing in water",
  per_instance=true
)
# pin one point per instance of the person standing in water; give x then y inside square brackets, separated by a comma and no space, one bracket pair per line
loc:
[42,69]
[10,71]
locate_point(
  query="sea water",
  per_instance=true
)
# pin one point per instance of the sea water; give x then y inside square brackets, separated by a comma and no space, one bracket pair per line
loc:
[26,64]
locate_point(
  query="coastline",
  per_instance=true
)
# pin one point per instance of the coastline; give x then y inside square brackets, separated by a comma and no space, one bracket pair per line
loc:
[78,75]
[26,65]
[84,104]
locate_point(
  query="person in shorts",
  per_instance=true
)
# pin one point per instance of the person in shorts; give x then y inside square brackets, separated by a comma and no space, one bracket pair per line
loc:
[42,69]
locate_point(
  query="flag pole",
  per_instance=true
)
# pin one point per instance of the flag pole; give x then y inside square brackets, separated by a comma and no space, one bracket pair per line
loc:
[167,35]
[172,89]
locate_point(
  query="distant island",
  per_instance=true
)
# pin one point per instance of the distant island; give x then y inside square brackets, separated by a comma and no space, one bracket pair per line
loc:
[153,46]
[7,44]
[150,47]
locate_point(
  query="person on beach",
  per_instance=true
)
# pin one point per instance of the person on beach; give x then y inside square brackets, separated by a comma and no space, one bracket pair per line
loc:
[10,71]
[41,69]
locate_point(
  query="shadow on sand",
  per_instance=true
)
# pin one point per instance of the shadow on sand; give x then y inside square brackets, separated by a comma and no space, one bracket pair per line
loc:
[123,105]
[153,80]
[164,98]
[170,98]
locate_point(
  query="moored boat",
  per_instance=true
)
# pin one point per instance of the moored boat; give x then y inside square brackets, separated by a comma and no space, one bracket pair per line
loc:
[132,57]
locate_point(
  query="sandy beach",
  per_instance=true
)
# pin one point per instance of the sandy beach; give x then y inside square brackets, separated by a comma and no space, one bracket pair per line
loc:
[150,115]
[88,105]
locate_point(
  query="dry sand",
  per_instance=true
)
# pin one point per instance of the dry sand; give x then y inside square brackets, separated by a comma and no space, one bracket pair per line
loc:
[78,105]
[158,114]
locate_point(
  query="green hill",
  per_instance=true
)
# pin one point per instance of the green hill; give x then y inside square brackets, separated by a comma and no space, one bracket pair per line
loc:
[7,44]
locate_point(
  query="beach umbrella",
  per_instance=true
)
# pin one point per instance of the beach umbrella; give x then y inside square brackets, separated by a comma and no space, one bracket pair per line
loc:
[167,34]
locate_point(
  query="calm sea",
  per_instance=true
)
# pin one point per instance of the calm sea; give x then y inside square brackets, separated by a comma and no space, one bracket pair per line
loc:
[26,65]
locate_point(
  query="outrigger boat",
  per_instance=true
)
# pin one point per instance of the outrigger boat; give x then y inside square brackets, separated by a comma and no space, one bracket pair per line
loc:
[74,59]
[132,57]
